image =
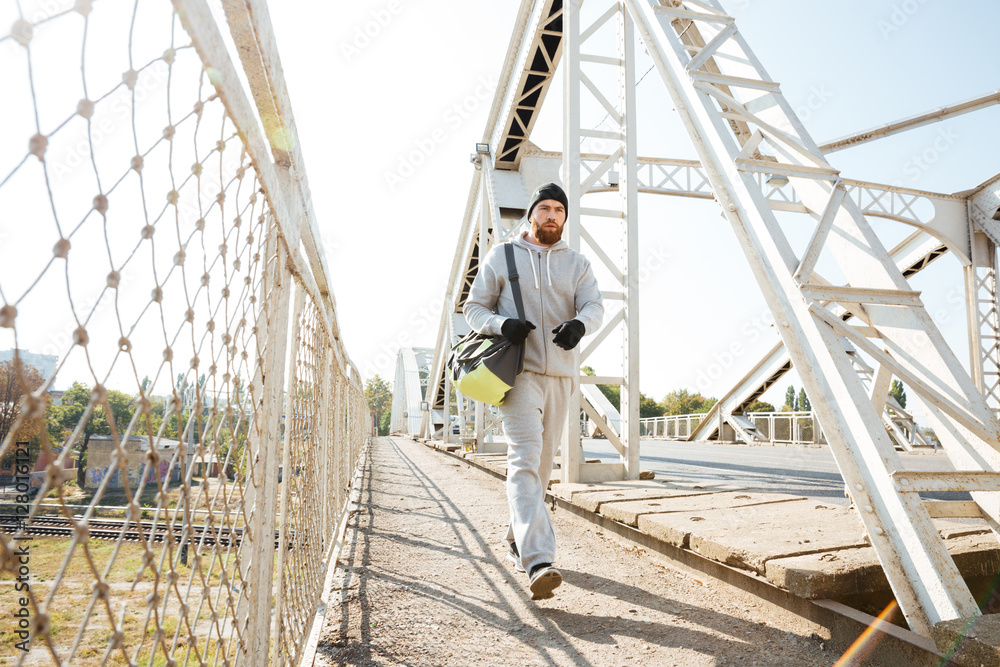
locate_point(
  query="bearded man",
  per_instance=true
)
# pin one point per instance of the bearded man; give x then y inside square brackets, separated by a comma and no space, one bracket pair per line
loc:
[565,300]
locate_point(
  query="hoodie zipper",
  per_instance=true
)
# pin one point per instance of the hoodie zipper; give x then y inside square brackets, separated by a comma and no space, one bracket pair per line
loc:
[541,306]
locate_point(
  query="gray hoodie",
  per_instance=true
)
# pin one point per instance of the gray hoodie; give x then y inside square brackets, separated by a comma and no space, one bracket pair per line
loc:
[557,284]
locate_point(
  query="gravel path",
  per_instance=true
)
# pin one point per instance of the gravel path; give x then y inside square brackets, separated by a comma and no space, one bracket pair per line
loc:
[423,581]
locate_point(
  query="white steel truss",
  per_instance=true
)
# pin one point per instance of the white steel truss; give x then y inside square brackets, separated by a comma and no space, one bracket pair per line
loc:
[742,126]
[911,256]
[409,388]
[748,138]
[981,290]
[617,172]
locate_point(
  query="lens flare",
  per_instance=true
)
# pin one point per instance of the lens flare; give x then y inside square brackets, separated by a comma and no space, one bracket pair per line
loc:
[866,641]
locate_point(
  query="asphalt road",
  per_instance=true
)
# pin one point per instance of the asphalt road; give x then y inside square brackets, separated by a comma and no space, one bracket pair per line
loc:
[804,471]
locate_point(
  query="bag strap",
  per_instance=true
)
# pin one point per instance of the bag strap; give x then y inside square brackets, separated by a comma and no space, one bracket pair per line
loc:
[515,283]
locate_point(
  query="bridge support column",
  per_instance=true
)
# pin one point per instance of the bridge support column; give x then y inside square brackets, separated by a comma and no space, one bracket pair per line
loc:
[617,173]
[983,312]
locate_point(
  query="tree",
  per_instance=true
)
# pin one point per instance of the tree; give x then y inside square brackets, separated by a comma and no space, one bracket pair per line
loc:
[803,403]
[157,408]
[789,405]
[378,393]
[760,406]
[648,407]
[62,419]
[680,402]
[17,380]
[898,392]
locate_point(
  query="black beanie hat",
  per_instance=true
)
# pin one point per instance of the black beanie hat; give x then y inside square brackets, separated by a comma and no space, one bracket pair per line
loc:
[548,191]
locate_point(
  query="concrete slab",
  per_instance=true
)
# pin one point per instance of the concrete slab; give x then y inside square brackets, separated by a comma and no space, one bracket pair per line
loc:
[747,537]
[629,511]
[593,501]
[661,526]
[950,528]
[557,461]
[487,457]
[838,573]
[970,641]
[568,491]
[831,574]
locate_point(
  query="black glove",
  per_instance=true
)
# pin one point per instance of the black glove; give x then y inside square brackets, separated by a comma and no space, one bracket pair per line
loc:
[568,334]
[515,330]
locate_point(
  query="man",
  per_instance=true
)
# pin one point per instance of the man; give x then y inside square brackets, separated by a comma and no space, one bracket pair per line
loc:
[562,303]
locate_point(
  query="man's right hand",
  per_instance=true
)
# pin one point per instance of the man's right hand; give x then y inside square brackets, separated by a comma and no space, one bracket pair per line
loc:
[516,331]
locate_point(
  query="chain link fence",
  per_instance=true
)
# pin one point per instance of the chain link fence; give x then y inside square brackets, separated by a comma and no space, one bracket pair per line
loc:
[179,498]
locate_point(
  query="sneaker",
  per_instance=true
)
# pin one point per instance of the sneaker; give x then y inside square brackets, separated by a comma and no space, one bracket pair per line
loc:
[544,580]
[514,557]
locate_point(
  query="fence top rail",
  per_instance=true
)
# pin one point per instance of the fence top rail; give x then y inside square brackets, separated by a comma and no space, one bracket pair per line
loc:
[673,417]
[778,413]
[701,415]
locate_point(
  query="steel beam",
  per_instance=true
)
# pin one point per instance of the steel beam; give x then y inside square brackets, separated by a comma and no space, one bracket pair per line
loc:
[983,311]
[924,579]
[532,57]
[939,214]
[912,122]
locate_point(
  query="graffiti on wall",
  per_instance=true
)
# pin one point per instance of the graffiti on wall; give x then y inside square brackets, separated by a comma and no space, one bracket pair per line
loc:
[95,476]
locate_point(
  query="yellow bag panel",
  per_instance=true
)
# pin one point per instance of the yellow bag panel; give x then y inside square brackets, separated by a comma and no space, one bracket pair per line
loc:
[482,385]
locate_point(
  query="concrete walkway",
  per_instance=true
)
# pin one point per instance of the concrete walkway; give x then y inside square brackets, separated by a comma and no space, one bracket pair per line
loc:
[423,581]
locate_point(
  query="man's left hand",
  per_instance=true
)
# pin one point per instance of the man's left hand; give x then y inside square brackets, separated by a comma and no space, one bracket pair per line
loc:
[568,334]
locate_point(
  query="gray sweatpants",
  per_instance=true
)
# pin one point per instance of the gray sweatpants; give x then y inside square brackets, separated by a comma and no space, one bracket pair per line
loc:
[534,416]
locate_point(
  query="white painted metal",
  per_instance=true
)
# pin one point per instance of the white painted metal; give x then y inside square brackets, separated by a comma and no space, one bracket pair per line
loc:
[720,89]
[602,406]
[941,215]
[935,116]
[984,202]
[924,579]
[581,64]
[408,389]
[571,458]
[983,311]
[911,256]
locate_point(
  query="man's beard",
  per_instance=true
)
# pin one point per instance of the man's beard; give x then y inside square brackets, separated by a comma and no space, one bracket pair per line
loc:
[548,236]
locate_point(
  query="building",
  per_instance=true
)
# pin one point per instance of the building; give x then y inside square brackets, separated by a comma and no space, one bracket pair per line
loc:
[45,363]
[100,453]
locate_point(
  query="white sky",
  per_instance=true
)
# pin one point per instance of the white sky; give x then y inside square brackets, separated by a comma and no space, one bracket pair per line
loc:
[423,80]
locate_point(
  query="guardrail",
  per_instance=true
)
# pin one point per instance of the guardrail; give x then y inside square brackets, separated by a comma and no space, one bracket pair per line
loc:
[158,237]
[777,427]
[796,428]
[670,426]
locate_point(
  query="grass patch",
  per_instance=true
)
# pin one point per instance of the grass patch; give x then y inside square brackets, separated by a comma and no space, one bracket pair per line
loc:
[71,602]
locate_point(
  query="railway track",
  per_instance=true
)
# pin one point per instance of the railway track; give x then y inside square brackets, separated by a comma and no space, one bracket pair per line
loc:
[132,531]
